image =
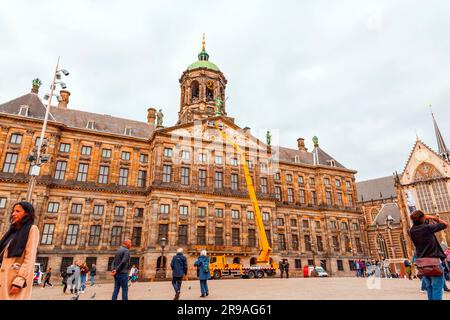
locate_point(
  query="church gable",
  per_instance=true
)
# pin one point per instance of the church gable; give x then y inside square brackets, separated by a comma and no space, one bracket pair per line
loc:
[423,164]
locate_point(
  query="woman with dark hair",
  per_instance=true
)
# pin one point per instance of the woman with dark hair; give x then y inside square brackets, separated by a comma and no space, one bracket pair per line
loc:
[429,254]
[18,249]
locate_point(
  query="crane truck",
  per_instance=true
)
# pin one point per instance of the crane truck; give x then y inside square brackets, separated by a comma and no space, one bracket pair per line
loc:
[219,266]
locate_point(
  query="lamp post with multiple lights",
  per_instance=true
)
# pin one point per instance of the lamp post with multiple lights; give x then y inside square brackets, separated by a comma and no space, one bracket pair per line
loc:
[39,157]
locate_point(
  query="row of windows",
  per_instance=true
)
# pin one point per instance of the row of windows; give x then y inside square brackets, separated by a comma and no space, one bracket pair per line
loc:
[252,240]
[72,233]
[77,208]
[203,158]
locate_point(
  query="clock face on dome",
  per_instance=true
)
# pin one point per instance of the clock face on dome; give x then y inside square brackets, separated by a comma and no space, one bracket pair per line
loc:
[421,155]
[210,84]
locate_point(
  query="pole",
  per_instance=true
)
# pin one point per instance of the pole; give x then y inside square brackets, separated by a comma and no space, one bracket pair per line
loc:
[33,178]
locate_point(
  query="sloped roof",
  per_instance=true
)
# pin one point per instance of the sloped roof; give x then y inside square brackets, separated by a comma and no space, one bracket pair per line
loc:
[388,209]
[77,118]
[376,189]
[289,155]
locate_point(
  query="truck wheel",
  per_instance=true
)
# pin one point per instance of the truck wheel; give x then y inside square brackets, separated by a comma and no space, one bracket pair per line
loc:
[217,274]
[251,275]
[259,274]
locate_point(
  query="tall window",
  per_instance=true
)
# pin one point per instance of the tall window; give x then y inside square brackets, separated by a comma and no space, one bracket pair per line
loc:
[339,199]
[218,181]
[119,211]
[86,150]
[123,176]
[234,161]
[103,174]
[201,211]
[382,248]
[164,208]
[291,195]
[185,176]
[281,241]
[278,193]
[328,197]
[319,243]
[308,246]
[218,160]
[294,223]
[60,170]
[202,178]
[53,207]
[184,210]
[294,242]
[336,243]
[98,209]
[142,178]
[167,172]
[10,162]
[280,222]
[16,138]
[264,185]
[350,199]
[82,172]
[143,158]
[289,177]
[313,199]
[116,236]
[2,203]
[163,231]
[301,180]
[235,214]
[236,236]
[302,196]
[185,155]
[218,236]
[202,157]
[139,212]
[327,181]
[106,153]
[250,215]
[234,181]
[218,212]
[251,238]
[344,226]
[305,223]
[72,234]
[94,235]
[76,208]
[201,235]
[64,147]
[168,152]
[358,244]
[47,233]
[269,237]
[136,236]
[125,155]
[338,183]
[348,245]
[182,234]
[333,224]
[266,216]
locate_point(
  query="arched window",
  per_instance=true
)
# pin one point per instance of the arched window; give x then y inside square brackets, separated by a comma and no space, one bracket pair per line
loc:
[373,214]
[237,260]
[403,243]
[209,90]
[161,264]
[382,248]
[195,90]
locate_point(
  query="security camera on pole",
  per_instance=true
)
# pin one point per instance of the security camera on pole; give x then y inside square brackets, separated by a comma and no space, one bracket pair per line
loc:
[39,155]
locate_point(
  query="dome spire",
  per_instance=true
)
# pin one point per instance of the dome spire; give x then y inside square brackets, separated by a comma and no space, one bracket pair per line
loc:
[203,42]
[203,55]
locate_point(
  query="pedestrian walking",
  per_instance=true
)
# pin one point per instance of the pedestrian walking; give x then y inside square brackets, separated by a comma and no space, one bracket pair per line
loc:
[204,273]
[281,267]
[356,264]
[428,252]
[133,276]
[362,268]
[18,248]
[48,275]
[179,270]
[92,274]
[286,268]
[120,270]
[83,276]
[73,280]
[64,277]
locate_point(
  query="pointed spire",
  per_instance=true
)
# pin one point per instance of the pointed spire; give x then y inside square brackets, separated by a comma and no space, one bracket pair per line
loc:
[442,148]
[203,55]
[203,42]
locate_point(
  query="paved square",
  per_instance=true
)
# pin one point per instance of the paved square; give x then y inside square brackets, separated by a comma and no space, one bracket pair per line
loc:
[256,289]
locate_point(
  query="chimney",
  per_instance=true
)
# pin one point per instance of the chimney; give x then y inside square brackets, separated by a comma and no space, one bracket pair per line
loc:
[301,144]
[151,116]
[64,94]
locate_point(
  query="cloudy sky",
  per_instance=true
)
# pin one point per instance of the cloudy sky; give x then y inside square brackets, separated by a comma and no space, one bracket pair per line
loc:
[358,74]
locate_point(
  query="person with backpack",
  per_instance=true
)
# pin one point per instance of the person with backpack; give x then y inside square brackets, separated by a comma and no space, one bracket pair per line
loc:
[204,273]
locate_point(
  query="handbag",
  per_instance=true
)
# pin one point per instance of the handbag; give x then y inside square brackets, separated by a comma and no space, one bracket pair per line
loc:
[430,267]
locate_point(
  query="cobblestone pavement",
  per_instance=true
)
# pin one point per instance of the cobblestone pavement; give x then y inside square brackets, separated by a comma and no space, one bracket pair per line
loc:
[256,289]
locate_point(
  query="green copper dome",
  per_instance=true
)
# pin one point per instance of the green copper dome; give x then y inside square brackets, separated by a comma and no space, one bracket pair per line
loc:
[203,64]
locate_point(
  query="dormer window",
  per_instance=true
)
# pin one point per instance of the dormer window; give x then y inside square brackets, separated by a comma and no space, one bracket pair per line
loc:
[128,131]
[332,163]
[24,110]
[297,159]
[90,125]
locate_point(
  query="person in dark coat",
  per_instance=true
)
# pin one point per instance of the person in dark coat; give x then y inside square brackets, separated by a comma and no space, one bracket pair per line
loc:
[281,266]
[48,275]
[286,268]
[179,270]
[120,270]
[204,273]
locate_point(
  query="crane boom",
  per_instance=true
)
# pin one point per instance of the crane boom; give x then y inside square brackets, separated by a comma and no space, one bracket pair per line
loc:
[265,248]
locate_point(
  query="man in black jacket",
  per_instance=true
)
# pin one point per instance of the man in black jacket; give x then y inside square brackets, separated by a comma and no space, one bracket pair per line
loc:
[179,270]
[120,270]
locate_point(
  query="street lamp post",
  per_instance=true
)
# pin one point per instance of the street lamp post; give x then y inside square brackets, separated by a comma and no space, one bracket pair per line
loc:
[161,272]
[37,158]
